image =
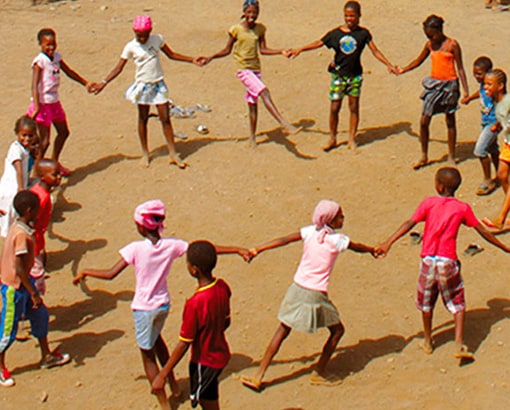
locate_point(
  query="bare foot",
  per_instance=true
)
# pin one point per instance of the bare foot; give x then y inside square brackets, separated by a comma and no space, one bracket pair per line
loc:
[463,353]
[452,161]
[253,142]
[178,162]
[494,223]
[330,380]
[330,145]
[145,161]
[251,383]
[427,346]
[421,163]
[352,145]
[291,130]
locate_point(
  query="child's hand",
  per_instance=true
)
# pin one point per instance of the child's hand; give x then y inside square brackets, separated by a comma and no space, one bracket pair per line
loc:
[399,70]
[201,61]
[96,88]
[381,250]
[253,252]
[379,253]
[158,384]
[287,53]
[79,278]
[293,53]
[36,300]
[245,254]
[392,69]
[465,100]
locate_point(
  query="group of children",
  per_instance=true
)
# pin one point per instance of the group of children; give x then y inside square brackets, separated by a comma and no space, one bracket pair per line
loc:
[25,214]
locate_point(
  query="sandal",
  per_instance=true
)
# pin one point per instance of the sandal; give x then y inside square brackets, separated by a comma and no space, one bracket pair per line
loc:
[463,353]
[55,359]
[415,237]
[252,384]
[329,380]
[486,189]
[473,249]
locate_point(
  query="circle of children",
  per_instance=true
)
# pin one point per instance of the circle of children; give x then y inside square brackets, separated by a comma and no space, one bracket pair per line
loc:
[25,214]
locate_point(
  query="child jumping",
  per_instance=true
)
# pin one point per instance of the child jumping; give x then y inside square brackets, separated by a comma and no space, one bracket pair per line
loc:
[205,319]
[348,42]
[306,306]
[152,258]
[441,90]
[486,147]
[440,268]
[15,176]
[149,87]
[45,106]
[19,295]
[246,39]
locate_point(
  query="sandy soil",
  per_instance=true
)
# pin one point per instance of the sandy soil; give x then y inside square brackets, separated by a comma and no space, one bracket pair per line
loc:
[234,195]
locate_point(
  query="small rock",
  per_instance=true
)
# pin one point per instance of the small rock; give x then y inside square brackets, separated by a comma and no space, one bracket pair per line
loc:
[103,8]
[77,384]
[44,397]
[442,370]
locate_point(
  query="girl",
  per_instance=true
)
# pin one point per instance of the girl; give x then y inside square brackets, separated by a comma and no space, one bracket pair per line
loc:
[348,42]
[152,259]
[441,90]
[246,39]
[15,176]
[495,88]
[149,87]
[45,106]
[306,306]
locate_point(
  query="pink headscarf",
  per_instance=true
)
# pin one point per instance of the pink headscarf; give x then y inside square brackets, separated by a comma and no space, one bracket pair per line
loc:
[323,214]
[144,214]
[142,23]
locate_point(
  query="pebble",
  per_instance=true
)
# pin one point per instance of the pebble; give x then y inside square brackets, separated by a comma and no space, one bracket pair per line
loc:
[103,8]
[44,397]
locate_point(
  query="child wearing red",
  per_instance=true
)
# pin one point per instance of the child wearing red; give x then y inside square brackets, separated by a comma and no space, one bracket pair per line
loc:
[205,318]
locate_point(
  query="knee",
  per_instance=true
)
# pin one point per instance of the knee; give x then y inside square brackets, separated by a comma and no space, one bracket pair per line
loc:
[337,331]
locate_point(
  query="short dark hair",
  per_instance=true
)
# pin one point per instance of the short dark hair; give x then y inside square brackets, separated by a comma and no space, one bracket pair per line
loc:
[45,32]
[449,177]
[434,22]
[25,200]
[24,121]
[202,254]
[485,63]
[353,5]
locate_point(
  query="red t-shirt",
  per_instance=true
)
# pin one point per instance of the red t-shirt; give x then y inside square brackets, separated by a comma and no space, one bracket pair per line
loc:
[43,218]
[443,217]
[203,324]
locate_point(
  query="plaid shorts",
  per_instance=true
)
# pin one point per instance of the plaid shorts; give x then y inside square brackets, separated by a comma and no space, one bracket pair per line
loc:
[342,85]
[440,275]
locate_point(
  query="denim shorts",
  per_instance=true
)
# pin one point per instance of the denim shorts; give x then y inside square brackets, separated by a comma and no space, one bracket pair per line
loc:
[487,142]
[148,325]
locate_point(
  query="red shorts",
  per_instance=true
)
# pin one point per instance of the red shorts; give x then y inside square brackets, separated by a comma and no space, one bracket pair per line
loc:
[440,275]
[48,113]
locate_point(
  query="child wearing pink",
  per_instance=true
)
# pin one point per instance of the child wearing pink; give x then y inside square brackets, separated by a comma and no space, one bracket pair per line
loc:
[306,305]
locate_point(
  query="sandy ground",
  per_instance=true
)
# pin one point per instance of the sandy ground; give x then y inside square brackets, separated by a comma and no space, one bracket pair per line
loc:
[234,195]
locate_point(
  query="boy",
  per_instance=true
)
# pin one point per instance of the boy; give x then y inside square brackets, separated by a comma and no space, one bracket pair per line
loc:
[440,268]
[206,316]
[18,292]
[486,147]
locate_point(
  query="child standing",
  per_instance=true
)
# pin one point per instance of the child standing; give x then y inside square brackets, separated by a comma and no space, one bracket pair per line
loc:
[19,294]
[205,319]
[486,148]
[149,87]
[45,106]
[246,39]
[306,306]
[152,259]
[495,87]
[441,90]
[15,176]
[440,267]
[348,42]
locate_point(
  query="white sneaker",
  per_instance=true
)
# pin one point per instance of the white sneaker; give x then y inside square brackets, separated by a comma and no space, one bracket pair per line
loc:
[5,378]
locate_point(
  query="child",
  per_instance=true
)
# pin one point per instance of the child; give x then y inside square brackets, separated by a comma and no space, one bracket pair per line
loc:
[440,268]
[45,106]
[15,176]
[441,90]
[486,147]
[306,306]
[49,178]
[495,87]
[246,39]
[152,259]
[149,87]
[348,42]
[19,294]
[205,318]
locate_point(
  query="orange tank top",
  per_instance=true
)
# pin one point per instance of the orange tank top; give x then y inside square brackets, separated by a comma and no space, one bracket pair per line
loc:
[443,62]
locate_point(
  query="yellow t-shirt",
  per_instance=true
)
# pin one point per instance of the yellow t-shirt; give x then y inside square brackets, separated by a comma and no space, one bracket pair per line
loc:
[246,53]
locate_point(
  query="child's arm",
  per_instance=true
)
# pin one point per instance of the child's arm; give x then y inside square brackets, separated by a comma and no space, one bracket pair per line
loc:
[36,77]
[489,237]
[380,56]
[469,98]
[19,174]
[457,55]
[73,75]
[243,252]
[21,267]
[384,247]
[417,61]
[362,248]
[107,274]
[265,50]
[97,88]
[276,243]
[312,46]
[172,55]
[159,381]
[222,53]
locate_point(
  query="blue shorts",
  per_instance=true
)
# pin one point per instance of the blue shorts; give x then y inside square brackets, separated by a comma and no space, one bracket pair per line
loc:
[487,142]
[17,302]
[148,325]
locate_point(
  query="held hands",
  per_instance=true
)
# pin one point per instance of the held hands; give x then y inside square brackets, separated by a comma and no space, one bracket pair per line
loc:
[158,384]
[393,69]
[36,300]
[95,88]
[245,254]
[291,53]
[201,61]
[79,278]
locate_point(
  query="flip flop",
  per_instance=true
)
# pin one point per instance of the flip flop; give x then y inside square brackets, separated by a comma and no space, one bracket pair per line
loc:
[330,380]
[486,189]
[426,349]
[203,108]
[464,354]
[473,249]
[251,384]
[415,237]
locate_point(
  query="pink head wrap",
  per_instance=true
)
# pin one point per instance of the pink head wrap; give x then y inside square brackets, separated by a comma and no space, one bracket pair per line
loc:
[144,214]
[323,214]
[142,23]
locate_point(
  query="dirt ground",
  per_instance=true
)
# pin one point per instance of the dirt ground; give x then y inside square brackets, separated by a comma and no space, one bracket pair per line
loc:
[234,195]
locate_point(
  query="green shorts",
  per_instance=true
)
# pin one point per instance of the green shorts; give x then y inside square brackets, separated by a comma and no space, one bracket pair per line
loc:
[342,85]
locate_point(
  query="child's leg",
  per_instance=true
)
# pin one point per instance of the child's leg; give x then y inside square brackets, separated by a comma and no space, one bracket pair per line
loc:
[503,171]
[424,141]
[353,120]
[335,334]
[143,118]
[253,113]
[428,344]
[163,356]
[334,111]
[495,159]
[152,370]
[268,102]
[281,334]
[44,134]
[452,137]
[168,131]
[60,139]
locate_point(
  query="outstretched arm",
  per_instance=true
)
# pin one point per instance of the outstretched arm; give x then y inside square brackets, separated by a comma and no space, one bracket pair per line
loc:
[489,237]
[380,56]
[457,55]
[362,248]
[312,46]
[97,88]
[417,61]
[265,50]
[384,247]
[107,274]
[469,98]
[73,75]
[243,252]
[222,53]
[276,243]
[179,351]
[172,55]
